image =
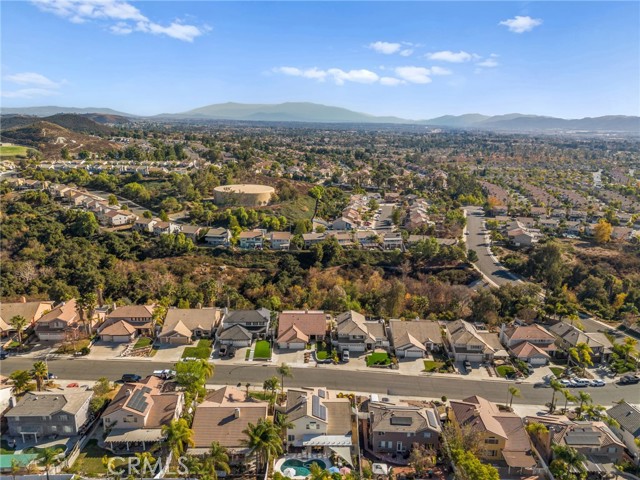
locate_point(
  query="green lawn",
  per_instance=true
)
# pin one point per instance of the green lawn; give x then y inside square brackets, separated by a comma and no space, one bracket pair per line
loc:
[299,209]
[322,353]
[557,371]
[504,370]
[13,151]
[71,347]
[378,358]
[262,349]
[202,350]
[89,462]
[432,366]
[143,342]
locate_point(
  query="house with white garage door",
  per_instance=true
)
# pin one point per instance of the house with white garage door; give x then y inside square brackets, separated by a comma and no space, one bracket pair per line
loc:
[415,338]
[297,328]
[240,327]
[465,342]
[530,343]
[355,334]
[184,325]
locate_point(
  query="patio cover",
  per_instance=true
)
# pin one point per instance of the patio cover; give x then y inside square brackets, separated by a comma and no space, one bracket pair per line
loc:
[519,459]
[344,453]
[326,440]
[139,435]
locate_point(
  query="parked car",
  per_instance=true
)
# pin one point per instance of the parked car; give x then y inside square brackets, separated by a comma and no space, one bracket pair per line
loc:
[224,349]
[51,376]
[582,382]
[131,377]
[467,365]
[165,374]
[568,383]
[345,356]
[232,352]
[597,383]
[629,380]
[3,355]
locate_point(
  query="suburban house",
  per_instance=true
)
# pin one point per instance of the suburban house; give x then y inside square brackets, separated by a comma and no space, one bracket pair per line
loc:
[416,338]
[595,440]
[321,423]
[218,237]
[251,240]
[297,328]
[355,334]
[280,240]
[392,240]
[144,225]
[183,325]
[502,434]
[522,237]
[368,239]
[134,418]
[628,429]
[241,327]
[115,218]
[466,342]
[395,428]
[63,323]
[222,417]
[192,232]
[165,228]
[118,332]
[40,414]
[569,336]
[312,238]
[140,317]
[530,343]
[32,311]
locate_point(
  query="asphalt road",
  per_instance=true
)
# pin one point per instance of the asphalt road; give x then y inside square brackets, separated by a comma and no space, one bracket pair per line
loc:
[386,383]
[492,271]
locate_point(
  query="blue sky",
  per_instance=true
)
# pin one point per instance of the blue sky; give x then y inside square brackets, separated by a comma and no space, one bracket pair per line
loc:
[410,59]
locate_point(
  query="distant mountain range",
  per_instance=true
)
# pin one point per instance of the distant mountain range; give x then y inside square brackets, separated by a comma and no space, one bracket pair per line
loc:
[316,113]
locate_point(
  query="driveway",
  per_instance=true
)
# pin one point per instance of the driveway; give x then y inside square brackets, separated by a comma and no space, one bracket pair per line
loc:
[106,350]
[169,353]
[293,358]
[411,366]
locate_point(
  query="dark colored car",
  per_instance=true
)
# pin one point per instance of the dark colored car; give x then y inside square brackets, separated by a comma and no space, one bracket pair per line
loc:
[3,355]
[224,349]
[131,377]
[629,380]
[232,352]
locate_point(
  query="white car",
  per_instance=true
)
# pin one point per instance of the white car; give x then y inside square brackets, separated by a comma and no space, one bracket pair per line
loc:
[597,383]
[582,382]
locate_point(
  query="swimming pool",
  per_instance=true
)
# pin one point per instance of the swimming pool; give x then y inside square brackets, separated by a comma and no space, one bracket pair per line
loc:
[302,468]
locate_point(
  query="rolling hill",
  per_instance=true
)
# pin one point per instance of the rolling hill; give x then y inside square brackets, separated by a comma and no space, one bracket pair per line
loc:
[52,110]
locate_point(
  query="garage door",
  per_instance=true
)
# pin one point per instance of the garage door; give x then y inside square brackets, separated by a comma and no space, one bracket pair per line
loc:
[538,361]
[353,348]
[240,343]
[472,357]
[413,354]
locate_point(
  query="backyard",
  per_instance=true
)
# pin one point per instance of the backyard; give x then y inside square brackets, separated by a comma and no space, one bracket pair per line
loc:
[262,350]
[201,351]
[89,462]
[378,359]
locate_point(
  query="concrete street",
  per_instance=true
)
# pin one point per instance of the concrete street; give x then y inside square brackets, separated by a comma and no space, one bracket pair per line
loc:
[381,382]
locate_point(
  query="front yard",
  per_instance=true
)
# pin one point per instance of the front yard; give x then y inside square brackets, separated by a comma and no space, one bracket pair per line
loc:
[506,371]
[73,346]
[378,359]
[143,342]
[201,351]
[262,350]
[557,371]
[433,365]
[323,351]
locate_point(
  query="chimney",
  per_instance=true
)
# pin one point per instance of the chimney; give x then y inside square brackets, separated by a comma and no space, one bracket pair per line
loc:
[236,413]
[23,299]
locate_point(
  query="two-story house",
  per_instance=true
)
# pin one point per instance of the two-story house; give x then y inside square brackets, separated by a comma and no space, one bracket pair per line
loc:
[628,428]
[241,327]
[135,417]
[40,414]
[416,338]
[138,317]
[144,225]
[296,328]
[355,334]
[466,342]
[320,422]
[64,323]
[280,240]
[182,326]
[218,237]
[569,336]
[530,343]
[395,428]
[32,311]
[252,240]
[502,434]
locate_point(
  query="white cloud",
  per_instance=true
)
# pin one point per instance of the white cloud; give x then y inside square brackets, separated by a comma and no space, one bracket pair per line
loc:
[338,75]
[488,63]
[452,57]
[414,74]
[35,85]
[386,48]
[296,72]
[519,24]
[440,71]
[391,81]
[31,78]
[127,18]
[407,52]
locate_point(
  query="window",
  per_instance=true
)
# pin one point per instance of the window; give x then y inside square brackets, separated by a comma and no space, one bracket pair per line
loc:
[612,450]
[54,428]
[64,418]
[410,434]
[491,441]
[491,453]
[291,438]
[67,429]
[382,443]
[399,446]
[426,434]
[380,433]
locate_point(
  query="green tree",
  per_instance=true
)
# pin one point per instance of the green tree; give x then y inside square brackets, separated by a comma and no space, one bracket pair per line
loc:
[47,458]
[112,199]
[178,435]
[263,441]
[556,386]
[271,384]
[19,323]
[40,373]
[513,392]
[316,192]
[581,354]
[472,468]
[21,380]
[567,463]
[82,223]
[146,464]
[217,460]
[284,370]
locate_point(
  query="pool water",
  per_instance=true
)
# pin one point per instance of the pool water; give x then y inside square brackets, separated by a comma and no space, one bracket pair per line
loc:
[302,468]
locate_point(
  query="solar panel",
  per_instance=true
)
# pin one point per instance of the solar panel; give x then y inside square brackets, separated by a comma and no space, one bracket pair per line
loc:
[582,438]
[404,421]
[318,410]
[138,401]
[431,419]
[321,393]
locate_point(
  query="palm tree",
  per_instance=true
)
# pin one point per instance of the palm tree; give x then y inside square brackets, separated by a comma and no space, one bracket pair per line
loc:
[21,380]
[40,372]
[207,369]
[583,397]
[316,192]
[15,468]
[282,422]
[271,384]
[19,323]
[48,457]
[146,462]
[263,441]
[629,345]
[178,434]
[557,387]
[318,473]
[284,370]
[217,461]
[86,306]
[568,463]
[191,465]
[513,392]
[568,397]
